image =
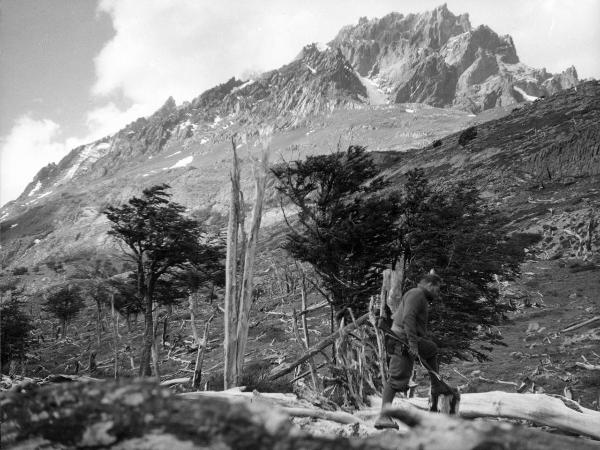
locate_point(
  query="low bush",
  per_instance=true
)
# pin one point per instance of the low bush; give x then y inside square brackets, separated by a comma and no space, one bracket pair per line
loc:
[467,135]
[20,271]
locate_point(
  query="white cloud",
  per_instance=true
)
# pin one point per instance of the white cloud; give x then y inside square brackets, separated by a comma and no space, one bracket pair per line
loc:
[30,145]
[164,48]
[108,119]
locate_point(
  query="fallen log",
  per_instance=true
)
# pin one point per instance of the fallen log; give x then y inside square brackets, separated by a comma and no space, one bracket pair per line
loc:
[579,325]
[284,369]
[440,431]
[538,408]
[489,380]
[334,416]
[175,381]
[288,403]
[275,398]
[587,366]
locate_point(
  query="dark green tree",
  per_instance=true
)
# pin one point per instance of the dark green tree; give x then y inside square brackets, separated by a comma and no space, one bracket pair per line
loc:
[346,222]
[15,331]
[64,304]
[160,239]
[454,232]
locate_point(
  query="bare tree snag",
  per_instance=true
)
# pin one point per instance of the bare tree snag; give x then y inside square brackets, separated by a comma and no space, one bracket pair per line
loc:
[231,269]
[284,369]
[311,363]
[200,355]
[239,267]
[115,335]
[192,307]
[261,169]
[380,338]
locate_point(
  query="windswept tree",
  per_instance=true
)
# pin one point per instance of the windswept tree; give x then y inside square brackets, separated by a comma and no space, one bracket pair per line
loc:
[64,304]
[159,238]
[351,225]
[346,223]
[15,332]
[453,231]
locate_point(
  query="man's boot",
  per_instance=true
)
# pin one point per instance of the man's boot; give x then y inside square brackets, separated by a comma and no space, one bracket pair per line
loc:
[452,397]
[384,421]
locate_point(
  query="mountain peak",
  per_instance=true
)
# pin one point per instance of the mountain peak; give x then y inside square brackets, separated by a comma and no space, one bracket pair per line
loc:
[436,57]
[169,105]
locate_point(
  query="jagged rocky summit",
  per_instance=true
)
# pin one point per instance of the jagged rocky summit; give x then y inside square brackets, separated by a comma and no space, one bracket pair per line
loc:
[440,59]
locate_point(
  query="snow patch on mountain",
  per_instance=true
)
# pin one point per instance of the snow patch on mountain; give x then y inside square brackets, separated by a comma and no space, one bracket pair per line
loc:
[526,96]
[242,86]
[173,154]
[322,47]
[35,189]
[374,92]
[313,71]
[182,162]
[87,156]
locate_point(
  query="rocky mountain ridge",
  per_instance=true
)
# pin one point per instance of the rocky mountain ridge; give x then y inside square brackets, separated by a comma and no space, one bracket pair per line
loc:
[439,59]
[349,91]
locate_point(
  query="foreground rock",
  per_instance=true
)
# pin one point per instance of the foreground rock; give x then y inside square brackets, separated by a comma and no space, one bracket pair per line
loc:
[143,415]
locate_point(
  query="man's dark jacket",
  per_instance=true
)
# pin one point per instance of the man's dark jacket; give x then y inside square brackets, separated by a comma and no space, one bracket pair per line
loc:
[410,319]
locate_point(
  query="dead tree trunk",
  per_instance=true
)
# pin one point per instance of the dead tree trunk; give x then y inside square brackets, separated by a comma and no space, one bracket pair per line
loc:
[115,335]
[148,338]
[192,307]
[311,363]
[230,373]
[200,355]
[389,297]
[239,267]
[260,177]
[98,320]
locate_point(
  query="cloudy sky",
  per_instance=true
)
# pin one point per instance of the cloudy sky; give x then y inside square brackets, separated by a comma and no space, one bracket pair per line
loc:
[72,71]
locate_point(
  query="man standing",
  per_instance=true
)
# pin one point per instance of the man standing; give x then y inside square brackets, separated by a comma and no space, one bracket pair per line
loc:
[410,326]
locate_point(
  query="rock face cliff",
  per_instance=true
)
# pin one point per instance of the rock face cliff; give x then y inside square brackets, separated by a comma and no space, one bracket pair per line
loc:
[439,59]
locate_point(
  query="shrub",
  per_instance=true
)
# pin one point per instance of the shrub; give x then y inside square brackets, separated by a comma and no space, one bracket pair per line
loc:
[467,135]
[15,329]
[64,304]
[20,271]
[437,143]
